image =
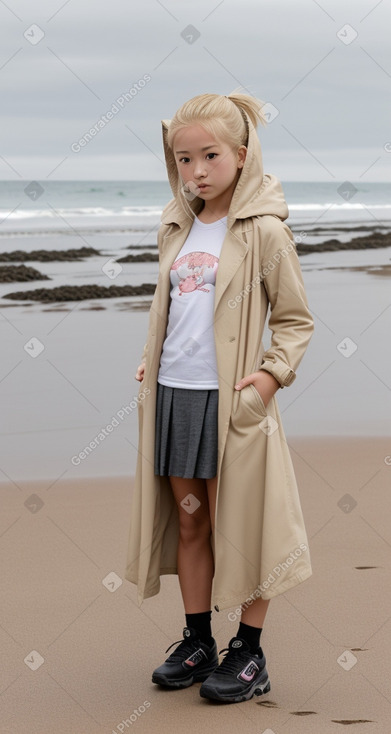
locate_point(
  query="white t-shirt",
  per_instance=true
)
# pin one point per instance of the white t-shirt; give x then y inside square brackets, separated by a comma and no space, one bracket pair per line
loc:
[188,357]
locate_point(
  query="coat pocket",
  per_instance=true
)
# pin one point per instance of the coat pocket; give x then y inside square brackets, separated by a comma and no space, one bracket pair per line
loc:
[250,409]
[259,402]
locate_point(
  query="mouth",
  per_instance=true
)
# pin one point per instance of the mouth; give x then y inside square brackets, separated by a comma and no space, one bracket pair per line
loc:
[203,186]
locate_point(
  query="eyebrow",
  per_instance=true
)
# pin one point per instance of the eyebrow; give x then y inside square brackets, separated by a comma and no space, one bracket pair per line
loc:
[202,149]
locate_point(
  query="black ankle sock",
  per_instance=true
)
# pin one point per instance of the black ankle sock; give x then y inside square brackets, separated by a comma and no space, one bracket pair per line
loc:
[201,623]
[251,635]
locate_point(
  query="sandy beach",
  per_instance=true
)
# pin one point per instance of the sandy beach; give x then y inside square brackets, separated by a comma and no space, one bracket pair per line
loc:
[78,651]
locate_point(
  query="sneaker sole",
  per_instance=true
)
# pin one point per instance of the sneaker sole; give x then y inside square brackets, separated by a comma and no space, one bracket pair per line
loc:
[257,689]
[196,677]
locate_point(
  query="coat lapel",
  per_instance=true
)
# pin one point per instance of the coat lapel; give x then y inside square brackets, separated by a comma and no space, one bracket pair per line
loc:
[233,252]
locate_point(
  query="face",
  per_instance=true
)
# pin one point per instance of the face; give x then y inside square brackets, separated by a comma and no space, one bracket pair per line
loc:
[208,166]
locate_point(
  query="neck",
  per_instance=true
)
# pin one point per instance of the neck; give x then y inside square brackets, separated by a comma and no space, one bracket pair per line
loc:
[208,215]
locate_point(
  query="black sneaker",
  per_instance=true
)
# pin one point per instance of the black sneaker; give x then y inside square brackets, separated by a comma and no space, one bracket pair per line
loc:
[192,661]
[241,675]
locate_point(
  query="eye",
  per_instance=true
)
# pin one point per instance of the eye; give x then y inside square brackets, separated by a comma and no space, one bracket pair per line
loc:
[213,154]
[184,160]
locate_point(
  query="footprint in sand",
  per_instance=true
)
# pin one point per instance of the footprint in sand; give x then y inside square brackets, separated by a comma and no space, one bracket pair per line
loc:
[302,713]
[352,721]
[267,704]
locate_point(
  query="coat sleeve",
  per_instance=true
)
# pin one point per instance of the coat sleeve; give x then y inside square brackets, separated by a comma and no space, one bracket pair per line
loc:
[290,320]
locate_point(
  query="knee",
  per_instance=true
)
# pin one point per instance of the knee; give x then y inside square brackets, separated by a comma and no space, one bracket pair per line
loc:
[193,529]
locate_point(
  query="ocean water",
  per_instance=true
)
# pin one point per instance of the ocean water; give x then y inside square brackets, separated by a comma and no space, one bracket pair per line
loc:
[47,207]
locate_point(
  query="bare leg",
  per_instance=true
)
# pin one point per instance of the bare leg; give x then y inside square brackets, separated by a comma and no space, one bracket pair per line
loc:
[195,557]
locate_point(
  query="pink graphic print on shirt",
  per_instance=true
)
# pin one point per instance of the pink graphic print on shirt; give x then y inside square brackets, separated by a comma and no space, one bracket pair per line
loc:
[195,271]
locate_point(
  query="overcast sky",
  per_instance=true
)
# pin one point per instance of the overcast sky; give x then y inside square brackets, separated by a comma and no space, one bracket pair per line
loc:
[324,66]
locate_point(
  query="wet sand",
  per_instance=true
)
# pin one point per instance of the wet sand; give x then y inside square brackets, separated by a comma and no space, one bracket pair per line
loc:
[77,650]
[68,367]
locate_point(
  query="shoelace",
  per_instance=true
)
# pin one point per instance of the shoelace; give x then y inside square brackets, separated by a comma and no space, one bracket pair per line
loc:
[183,644]
[231,660]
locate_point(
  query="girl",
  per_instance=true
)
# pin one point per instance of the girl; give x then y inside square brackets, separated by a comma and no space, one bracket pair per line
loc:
[215,498]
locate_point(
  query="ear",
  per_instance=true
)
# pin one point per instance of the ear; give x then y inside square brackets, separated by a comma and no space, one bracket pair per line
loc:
[242,152]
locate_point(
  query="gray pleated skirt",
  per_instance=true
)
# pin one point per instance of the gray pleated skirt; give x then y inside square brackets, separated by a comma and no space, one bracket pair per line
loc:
[186,432]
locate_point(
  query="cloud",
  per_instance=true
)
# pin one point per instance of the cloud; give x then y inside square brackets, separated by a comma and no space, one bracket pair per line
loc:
[332,92]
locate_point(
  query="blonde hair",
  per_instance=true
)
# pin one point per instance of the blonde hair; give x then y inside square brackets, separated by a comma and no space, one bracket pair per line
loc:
[220,115]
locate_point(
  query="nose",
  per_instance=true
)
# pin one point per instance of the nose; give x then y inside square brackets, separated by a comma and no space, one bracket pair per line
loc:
[199,169]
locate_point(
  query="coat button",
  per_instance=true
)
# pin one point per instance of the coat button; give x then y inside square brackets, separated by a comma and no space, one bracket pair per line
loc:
[232,338]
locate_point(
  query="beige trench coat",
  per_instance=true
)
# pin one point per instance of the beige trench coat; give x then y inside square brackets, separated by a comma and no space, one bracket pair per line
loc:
[260,544]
